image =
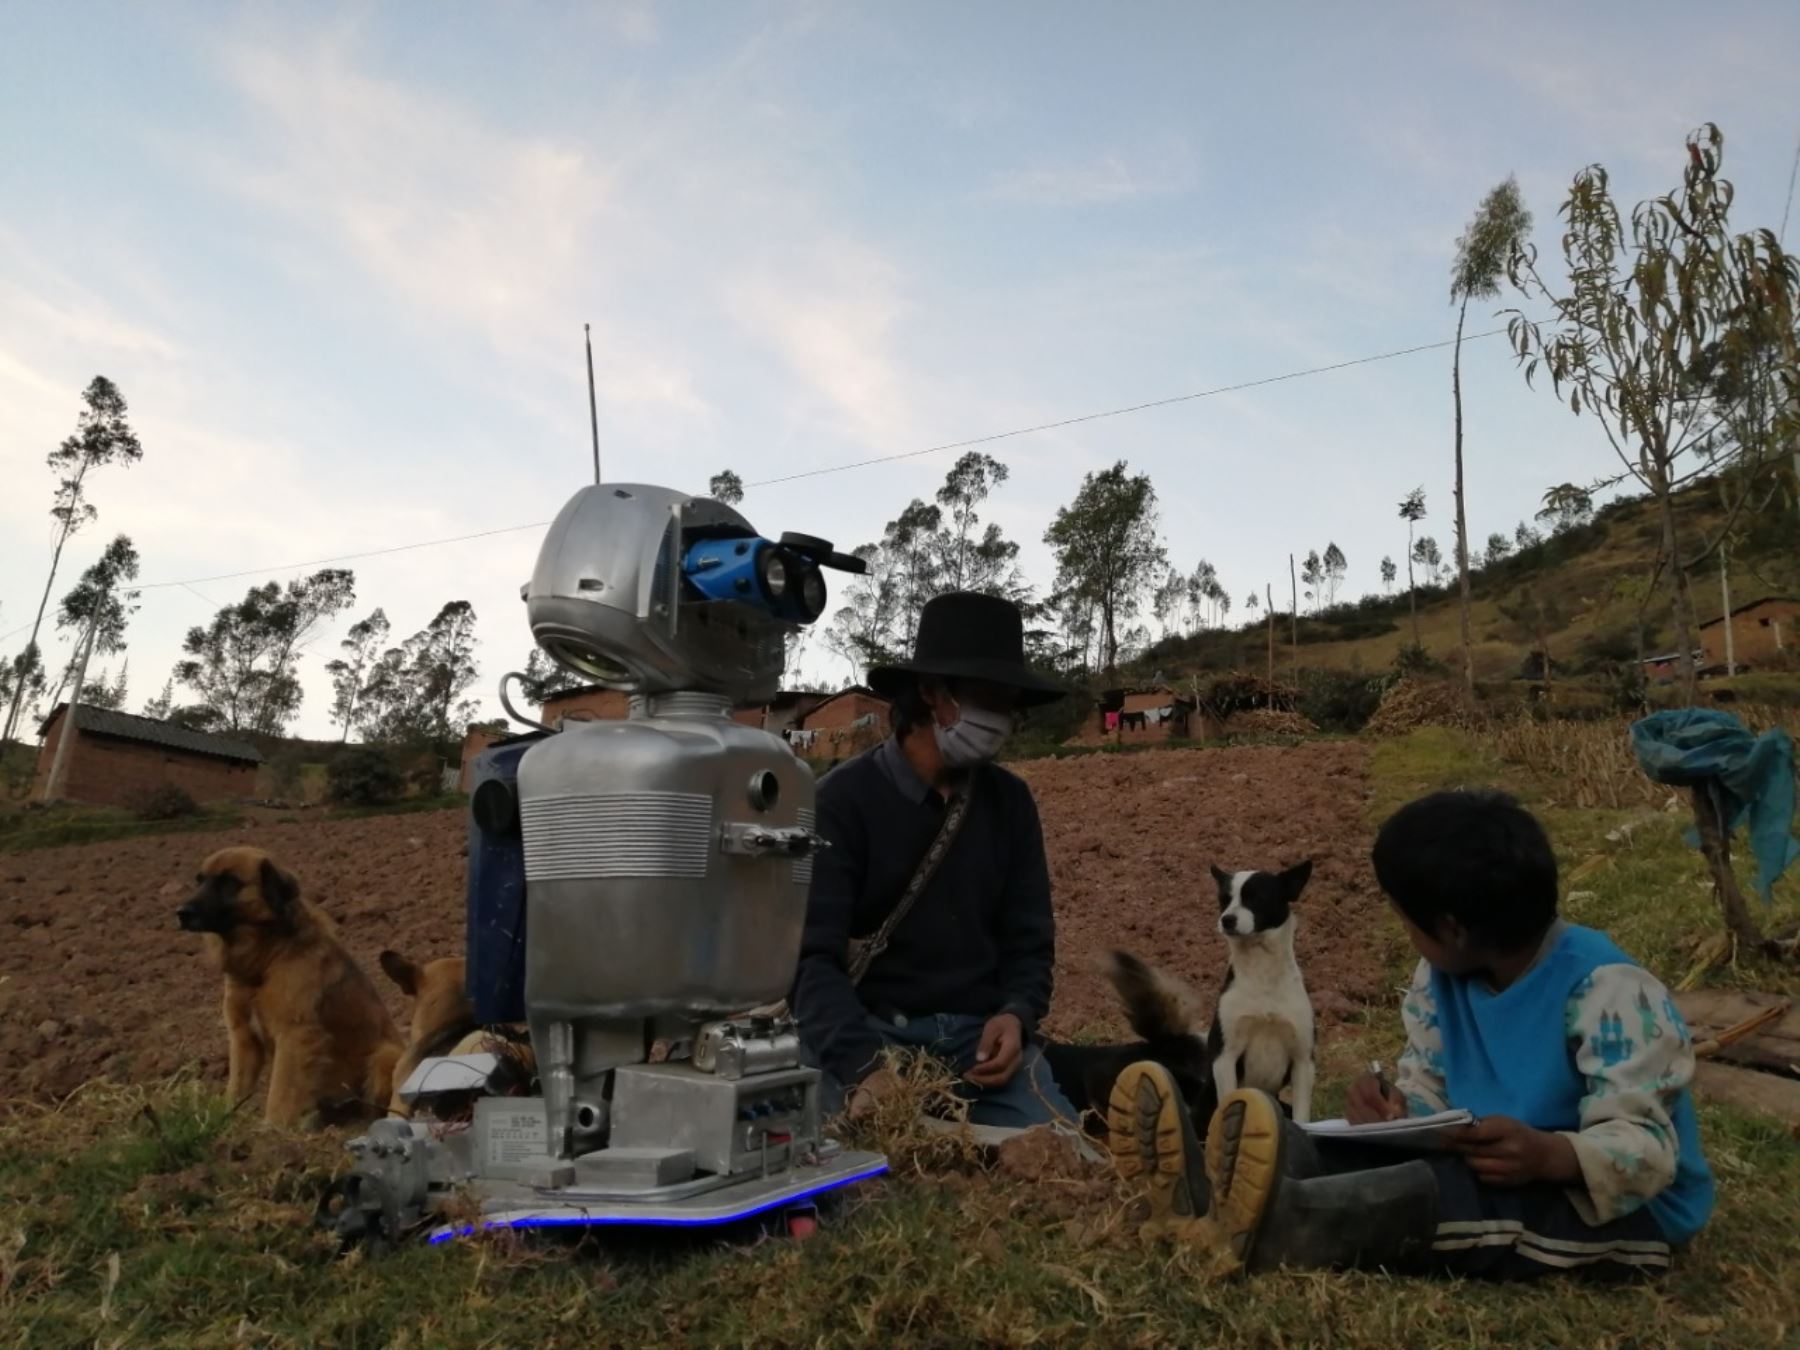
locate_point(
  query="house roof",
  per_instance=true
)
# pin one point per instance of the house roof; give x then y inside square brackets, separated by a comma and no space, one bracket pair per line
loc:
[124,726]
[1754,604]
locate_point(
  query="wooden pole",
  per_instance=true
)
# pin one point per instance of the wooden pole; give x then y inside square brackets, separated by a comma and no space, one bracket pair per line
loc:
[1715,846]
[1725,597]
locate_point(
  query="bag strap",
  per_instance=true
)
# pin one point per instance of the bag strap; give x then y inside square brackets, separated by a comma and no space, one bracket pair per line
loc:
[862,954]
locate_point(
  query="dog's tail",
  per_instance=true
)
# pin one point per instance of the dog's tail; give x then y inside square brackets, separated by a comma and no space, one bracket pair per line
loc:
[1156,1004]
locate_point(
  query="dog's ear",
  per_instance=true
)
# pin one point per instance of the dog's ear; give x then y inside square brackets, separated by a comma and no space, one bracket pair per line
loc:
[1294,880]
[1220,875]
[279,890]
[401,971]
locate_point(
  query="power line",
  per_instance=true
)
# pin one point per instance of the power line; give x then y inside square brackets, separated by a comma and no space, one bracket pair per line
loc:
[855,464]
[1120,412]
[344,557]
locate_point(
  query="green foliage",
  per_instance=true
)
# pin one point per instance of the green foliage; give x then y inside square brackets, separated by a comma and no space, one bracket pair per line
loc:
[350,672]
[98,594]
[242,665]
[1415,660]
[1636,330]
[1339,700]
[286,771]
[726,487]
[414,694]
[167,802]
[363,775]
[1107,550]
[102,437]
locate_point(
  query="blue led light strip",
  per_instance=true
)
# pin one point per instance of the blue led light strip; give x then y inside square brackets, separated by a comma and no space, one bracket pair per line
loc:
[592,1221]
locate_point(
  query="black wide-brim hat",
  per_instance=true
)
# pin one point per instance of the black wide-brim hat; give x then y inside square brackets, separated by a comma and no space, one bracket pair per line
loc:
[967,636]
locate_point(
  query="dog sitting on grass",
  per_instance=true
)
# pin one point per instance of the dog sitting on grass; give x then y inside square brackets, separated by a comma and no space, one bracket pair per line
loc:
[295,1001]
[443,1023]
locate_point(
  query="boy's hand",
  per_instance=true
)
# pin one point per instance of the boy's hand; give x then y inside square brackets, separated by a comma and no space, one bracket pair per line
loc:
[1506,1152]
[1366,1104]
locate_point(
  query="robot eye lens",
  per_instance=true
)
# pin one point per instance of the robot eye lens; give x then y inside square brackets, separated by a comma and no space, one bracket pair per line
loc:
[775,574]
[812,593]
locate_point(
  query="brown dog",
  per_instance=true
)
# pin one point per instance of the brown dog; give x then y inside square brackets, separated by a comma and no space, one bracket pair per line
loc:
[443,1023]
[294,998]
[441,1014]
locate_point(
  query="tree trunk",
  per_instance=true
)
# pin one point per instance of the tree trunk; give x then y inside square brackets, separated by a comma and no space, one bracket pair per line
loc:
[1294,592]
[1412,586]
[12,713]
[1462,516]
[1684,598]
[1715,845]
[1271,591]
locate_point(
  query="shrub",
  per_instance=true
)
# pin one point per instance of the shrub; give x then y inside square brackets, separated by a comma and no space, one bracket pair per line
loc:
[167,802]
[284,772]
[1339,700]
[1413,659]
[363,775]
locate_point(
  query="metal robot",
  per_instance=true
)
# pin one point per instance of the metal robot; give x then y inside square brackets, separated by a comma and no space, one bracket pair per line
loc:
[634,884]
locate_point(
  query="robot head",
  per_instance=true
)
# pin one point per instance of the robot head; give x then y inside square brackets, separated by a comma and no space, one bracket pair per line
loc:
[649,590]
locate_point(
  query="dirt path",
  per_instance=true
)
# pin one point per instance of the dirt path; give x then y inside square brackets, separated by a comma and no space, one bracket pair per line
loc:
[96,979]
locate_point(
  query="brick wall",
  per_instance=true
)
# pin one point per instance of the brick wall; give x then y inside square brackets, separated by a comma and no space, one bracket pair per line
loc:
[474,742]
[607,705]
[1757,633]
[833,721]
[105,772]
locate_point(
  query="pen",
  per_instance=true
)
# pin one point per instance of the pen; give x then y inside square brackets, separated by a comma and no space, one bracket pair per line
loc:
[1380,1078]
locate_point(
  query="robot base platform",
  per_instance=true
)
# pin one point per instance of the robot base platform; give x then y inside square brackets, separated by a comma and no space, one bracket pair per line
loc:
[518,1206]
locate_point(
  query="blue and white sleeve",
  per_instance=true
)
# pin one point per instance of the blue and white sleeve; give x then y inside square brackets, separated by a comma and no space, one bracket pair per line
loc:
[1637,1058]
[1420,1075]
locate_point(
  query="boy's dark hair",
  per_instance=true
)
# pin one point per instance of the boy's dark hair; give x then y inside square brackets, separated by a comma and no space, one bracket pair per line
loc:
[1475,856]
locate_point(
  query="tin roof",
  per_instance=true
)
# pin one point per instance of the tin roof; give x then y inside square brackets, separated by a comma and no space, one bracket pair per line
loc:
[126,726]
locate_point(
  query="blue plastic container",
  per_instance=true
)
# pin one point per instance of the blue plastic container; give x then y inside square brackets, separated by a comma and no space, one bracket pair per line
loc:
[496,885]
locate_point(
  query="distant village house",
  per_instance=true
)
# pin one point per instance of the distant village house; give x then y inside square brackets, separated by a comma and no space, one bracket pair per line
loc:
[119,758]
[1151,712]
[1760,631]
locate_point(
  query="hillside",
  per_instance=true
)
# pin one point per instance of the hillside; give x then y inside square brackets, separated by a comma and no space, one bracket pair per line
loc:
[1589,581]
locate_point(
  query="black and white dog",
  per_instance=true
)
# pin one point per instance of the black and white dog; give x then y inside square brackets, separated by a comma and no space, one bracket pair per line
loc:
[1262,1028]
[1262,1031]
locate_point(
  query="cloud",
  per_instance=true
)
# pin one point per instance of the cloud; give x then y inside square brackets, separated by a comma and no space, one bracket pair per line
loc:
[832,319]
[1110,178]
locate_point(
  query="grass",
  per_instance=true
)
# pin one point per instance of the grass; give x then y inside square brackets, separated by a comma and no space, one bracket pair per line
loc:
[22,831]
[151,1216]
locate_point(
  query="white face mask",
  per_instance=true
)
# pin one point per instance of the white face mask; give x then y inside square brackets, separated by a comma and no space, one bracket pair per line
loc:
[975,737]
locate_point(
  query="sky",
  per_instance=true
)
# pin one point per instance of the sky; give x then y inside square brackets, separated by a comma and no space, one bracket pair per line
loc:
[339,259]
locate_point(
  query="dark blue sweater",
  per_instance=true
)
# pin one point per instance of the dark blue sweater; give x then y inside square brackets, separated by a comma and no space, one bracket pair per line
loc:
[980,940]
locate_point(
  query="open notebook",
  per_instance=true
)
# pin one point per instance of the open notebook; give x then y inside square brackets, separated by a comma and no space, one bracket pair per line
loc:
[1414,1132]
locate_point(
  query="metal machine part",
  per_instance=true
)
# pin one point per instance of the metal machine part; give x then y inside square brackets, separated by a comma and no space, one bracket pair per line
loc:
[636,882]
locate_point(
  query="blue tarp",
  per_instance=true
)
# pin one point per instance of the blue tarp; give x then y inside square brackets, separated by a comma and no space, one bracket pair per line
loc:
[1755,777]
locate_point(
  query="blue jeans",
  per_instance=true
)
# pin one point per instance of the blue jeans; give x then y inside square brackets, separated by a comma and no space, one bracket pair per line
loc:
[1030,1097]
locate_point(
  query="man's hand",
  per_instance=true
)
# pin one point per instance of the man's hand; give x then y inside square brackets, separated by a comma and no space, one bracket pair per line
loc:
[1366,1103]
[870,1091]
[1002,1049]
[1506,1152]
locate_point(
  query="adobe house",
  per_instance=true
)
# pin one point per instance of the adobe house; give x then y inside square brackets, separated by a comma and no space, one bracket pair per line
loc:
[787,707]
[1760,631]
[1146,713]
[1667,667]
[587,703]
[846,724]
[475,740]
[118,758]
[591,703]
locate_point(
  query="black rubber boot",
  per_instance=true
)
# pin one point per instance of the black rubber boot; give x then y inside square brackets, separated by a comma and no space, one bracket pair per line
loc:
[1276,1207]
[1152,1140]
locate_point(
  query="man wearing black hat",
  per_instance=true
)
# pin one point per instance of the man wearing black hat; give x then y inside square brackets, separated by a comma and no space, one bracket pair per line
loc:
[929,924]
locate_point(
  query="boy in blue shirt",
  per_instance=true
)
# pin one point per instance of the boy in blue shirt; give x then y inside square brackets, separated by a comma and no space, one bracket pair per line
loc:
[1584,1156]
